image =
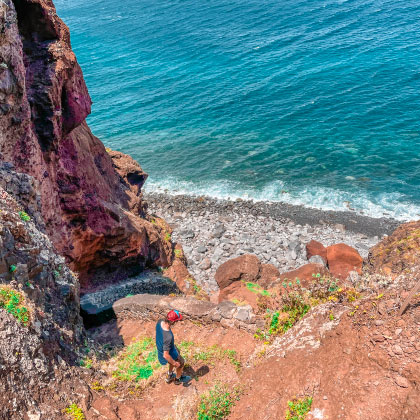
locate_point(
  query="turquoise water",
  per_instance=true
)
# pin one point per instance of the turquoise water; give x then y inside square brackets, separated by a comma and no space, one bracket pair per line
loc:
[313,102]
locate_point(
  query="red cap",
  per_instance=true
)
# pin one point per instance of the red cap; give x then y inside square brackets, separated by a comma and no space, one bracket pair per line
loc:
[174,316]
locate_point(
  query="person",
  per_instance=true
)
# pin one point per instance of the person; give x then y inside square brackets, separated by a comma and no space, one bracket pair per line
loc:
[168,353]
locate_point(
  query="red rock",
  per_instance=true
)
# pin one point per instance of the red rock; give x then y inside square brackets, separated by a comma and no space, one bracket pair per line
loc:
[91,199]
[268,275]
[246,267]
[342,259]
[396,253]
[239,294]
[304,274]
[316,248]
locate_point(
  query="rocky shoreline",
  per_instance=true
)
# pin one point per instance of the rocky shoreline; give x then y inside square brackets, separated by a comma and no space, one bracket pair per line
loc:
[212,231]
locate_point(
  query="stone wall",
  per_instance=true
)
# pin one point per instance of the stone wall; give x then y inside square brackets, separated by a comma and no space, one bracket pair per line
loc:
[152,307]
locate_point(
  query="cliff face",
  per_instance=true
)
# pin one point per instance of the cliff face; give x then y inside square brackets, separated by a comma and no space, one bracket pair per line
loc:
[40,325]
[91,205]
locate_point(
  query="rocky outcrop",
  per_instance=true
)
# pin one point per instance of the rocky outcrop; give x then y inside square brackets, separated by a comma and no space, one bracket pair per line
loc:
[396,254]
[90,199]
[38,340]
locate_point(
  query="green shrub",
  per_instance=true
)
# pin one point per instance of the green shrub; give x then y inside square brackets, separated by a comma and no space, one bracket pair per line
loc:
[12,301]
[217,403]
[298,408]
[24,216]
[75,411]
[137,361]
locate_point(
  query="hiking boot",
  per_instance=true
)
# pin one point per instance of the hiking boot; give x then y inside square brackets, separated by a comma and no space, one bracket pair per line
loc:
[170,377]
[183,379]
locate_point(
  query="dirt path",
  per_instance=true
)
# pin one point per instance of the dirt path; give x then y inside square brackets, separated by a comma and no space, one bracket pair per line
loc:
[208,367]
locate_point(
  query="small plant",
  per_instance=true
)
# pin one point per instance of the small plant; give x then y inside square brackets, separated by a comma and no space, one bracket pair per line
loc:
[298,408]
[178,253]
[75,411]
[24,216]
[217,403]
[56,274]
[12,268]
[13,302]
[87,363]
[231,355]
[238,302]
[96,386]
[209,354]
[167,237]
[256,288]
[198,291]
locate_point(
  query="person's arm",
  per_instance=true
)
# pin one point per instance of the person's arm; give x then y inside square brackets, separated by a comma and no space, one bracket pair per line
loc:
[167,344]
[170,360]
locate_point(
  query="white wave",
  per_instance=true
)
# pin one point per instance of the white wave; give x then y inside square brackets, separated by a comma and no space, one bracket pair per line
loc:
[389,205]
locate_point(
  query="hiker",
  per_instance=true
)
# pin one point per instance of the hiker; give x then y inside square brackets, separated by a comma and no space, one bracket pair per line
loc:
[167,351]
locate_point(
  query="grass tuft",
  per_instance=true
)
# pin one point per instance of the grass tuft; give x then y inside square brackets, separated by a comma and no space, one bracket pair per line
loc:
[137,361]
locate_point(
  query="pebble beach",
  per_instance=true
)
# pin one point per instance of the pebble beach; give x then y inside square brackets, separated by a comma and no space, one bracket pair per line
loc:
[212,231]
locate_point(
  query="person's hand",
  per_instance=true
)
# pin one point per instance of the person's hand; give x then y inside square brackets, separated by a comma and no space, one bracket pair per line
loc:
[177,364]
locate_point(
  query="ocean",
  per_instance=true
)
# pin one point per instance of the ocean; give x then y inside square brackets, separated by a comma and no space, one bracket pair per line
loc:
[313,102]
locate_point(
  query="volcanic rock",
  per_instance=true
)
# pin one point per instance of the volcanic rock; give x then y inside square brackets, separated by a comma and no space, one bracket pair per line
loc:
[246,267]
[90,198]
[396,253]
[304,274]
[316,248]
[342,259]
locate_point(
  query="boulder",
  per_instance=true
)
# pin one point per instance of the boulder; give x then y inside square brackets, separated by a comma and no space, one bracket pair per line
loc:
[304,274]
[246,267]
[239,294]
[268,275]
[342,259]
[316,248]
[396,253]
